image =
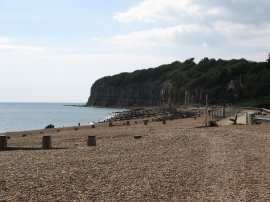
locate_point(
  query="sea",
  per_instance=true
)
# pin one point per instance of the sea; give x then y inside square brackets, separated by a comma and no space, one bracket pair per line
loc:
[31,116]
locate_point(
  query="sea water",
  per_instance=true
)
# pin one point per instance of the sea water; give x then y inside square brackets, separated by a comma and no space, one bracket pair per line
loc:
[31,116]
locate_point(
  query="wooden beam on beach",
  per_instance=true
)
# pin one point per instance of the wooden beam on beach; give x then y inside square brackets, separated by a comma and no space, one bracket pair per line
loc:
[3,142]
[46,142]
[91,141]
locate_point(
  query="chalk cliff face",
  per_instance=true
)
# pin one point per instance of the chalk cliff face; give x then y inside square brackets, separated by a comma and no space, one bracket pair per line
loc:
[182,83]
[141,95]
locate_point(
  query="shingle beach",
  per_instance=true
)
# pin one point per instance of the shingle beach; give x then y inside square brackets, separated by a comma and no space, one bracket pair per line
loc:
[179,161]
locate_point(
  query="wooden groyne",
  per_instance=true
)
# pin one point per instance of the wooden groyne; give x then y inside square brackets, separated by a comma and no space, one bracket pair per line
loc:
[158,113]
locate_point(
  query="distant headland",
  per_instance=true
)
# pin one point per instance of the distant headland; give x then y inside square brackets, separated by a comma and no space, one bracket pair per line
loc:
[239,82]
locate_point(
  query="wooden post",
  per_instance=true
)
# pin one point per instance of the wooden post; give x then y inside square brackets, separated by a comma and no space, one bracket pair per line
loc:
[46,142]
[164,121]
[91,141]
[223,112]
[3,142]
[185,97]
[206,110]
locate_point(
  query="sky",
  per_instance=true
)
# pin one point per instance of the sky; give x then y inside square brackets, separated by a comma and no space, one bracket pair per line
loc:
[54,50]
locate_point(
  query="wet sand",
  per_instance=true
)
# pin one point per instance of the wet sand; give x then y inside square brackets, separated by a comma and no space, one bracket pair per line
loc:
[179,161]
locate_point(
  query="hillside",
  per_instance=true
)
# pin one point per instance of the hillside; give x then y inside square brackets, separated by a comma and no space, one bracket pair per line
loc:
[225,81]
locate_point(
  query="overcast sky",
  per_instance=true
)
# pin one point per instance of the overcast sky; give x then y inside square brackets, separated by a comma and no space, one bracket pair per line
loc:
[54,50]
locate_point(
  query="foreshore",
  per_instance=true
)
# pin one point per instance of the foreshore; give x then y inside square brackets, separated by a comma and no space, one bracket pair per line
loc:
[176,161]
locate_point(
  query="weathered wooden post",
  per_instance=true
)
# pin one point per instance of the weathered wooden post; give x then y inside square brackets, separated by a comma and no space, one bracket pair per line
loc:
[3,142]
[91,141]
[206,110]
[46,142]
[223,112]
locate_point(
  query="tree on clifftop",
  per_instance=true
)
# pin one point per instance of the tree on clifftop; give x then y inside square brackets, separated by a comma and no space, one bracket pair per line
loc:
[268,59]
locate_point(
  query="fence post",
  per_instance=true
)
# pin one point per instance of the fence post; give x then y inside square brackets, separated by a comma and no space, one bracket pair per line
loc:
[91,141]
[46,142]
[3,142]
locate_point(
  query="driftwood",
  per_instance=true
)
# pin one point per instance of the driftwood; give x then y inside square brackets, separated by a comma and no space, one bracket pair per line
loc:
[234,120]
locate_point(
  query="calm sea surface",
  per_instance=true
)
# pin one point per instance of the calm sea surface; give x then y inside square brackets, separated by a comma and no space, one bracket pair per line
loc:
[30,116]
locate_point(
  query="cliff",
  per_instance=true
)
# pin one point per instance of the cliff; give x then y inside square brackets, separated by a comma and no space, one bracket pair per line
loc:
[232,81]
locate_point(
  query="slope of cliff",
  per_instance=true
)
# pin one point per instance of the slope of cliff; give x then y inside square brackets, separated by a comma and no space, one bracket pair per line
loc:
[232,81]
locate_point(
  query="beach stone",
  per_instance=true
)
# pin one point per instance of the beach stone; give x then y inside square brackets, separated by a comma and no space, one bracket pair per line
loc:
[46,142]
[3,142]
[91,141]
[49,126]
[137,137]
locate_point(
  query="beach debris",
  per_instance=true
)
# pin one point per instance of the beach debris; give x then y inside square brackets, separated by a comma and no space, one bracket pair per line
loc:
[234,120]
[110,124]
[151,130]
[24,135]
[92,124]
[46,142]
[49,126]
[8,137]
[145,122]
[3,142]
[91,141]
[58,130]
[76,128]
[213,124]
[128,123]
[137,137]
[164,121]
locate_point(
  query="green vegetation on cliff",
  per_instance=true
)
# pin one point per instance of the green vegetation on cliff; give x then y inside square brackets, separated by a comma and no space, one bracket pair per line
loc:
[232,81]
